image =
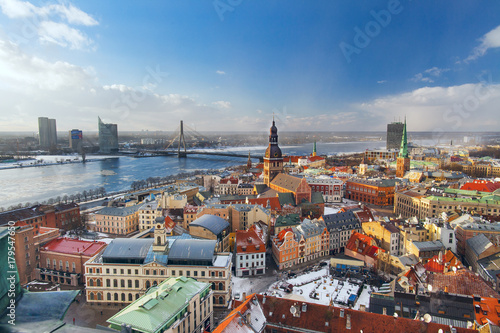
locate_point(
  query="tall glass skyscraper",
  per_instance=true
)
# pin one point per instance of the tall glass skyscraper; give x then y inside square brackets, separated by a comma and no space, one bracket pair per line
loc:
[108,137]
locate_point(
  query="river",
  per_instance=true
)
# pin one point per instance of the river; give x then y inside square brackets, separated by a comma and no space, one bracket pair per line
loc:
[21,185]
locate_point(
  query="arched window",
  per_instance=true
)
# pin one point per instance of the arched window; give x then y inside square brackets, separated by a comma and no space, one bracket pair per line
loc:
[130,283]
[158,240]
[213,286]
[122,283]
[116,296]
[123,297]
[109,297]
[91,296]
[99,297]
[91,283]
[136,296]
[221,300]
[137,283]
[130,297]
[148,284]
[108,283]
[115,283]
[98,283]
[221,286]
[155,283]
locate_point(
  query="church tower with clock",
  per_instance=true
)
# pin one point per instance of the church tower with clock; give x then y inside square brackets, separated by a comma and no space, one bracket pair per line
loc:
[273,160]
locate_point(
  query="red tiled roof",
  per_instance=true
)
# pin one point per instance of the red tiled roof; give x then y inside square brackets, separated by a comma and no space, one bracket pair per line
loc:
[249,239]
[74,246]
[481,185]
[462,282]
[229,181]
[362,244]
[433,265]
[315,158]
[323,318]
[169,223]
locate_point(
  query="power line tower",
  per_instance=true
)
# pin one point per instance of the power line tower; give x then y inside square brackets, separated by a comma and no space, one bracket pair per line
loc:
[182,141]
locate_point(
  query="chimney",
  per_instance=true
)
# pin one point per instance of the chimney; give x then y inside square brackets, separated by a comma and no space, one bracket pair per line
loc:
[304,307]
[264,299]
[244,296]
[248,317]
[342,313]
[348,322]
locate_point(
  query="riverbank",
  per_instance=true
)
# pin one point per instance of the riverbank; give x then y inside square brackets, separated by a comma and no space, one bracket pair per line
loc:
[50,160]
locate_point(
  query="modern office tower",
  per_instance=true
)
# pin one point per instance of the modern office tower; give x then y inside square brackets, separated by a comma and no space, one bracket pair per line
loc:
[394,134]
[47,132]
[108,137]
[75,139]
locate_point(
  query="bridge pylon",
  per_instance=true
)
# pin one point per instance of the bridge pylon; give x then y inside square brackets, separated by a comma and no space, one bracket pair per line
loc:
[182,141]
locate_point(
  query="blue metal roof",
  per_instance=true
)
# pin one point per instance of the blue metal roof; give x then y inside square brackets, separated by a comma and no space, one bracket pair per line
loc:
[192,249]
[127,248]
[211,222]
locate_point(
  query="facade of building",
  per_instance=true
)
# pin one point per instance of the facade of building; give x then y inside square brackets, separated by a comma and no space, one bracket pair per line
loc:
[330,188]
[273,159]
[227,186]
[425,250]
[363,247]
[373,191]
[387,234]
[61,216]
[127,268]
[75,140]
[62,260]
[147,215]
[285,248]
[118,220]
[250,252]
[28,241]
[240,216]
[381,154]
[47,133]
[108,137]
[340,227]
[479,247]
[175,305]
[394,135]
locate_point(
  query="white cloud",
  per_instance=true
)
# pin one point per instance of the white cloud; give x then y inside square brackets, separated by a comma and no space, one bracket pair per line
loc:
[222,104]
[489,41]
[63,35]
[456,108]
[220,72]
[45,20]
[429,74]
[381,81]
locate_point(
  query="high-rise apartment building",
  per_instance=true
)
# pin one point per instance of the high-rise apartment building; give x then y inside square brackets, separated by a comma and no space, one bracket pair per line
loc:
[47,132]
[394,135]
[108,137]
[75,139]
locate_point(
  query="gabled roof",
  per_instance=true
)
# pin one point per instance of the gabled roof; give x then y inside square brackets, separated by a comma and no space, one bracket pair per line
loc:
[286,199]
[317,198]
[362,244]
[287,182]
[259,188]
[214,224]
[341,219]
[287,220]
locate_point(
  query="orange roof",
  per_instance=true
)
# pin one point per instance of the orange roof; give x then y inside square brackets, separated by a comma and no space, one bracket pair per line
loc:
[237,312]
[463,282]
[481,185]
[315,158]
[362,244]
[249,239]
[487,309]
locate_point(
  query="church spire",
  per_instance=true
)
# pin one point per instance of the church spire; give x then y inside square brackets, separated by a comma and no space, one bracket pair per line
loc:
[314,148]
[403,151]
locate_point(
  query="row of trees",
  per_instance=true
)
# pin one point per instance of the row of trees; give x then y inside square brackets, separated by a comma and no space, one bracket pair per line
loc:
[86,195]
[156,181]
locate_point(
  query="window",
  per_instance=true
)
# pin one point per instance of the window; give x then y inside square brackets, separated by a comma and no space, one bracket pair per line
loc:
[108,283]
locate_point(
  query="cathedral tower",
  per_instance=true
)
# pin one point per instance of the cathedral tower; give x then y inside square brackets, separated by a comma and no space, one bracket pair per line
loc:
[273,160]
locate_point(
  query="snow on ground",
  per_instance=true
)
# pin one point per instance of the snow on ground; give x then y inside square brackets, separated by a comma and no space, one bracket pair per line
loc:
[36,282]
[105,240]
[321,288]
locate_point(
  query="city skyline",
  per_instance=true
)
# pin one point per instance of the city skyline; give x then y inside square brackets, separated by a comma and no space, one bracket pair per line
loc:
[315,66]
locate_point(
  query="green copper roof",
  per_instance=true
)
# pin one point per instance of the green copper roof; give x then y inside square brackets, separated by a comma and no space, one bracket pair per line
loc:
[403,152]
[161,306]
[287,220]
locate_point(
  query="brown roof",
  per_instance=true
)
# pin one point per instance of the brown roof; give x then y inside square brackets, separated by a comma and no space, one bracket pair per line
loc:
[462,282]
[288,182]
[323,318]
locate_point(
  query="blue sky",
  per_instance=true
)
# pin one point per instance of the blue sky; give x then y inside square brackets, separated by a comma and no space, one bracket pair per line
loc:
[230,64]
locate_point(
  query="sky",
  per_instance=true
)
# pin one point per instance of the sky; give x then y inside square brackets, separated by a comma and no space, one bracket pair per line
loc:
[230,65]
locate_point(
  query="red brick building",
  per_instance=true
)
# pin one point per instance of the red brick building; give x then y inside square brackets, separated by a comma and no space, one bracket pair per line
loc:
[62,259]
[373,191]
[61,216]
[289,184]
